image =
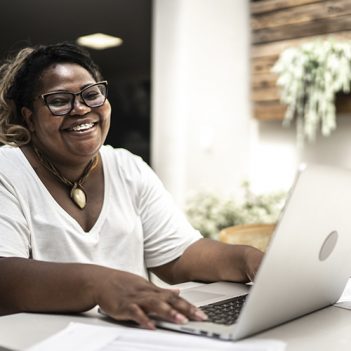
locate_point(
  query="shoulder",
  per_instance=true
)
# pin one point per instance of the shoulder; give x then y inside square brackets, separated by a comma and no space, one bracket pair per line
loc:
[13,168]
[119,154]
[123,160]
[10,157]
[6,150]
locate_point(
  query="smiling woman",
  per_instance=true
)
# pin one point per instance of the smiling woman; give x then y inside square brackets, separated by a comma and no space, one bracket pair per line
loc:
[58,120]
[82,223]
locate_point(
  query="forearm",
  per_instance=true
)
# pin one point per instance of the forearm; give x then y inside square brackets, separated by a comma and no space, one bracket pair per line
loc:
[209,260]
[36,286]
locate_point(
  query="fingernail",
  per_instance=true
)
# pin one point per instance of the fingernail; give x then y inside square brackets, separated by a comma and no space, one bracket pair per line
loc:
[179,318]
[200,315]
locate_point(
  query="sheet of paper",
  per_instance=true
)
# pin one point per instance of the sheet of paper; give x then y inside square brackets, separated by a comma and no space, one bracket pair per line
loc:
[78,336]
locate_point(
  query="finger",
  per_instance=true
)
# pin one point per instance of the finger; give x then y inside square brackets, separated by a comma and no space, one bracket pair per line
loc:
[187,309]
[165,311]
[134,313]
[169,291]
[139,316]
[175,290]
[182,306]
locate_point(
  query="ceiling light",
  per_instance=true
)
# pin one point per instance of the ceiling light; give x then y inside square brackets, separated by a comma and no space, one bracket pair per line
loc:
[99,41]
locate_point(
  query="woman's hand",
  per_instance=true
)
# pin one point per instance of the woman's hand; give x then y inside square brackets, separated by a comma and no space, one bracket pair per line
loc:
[126,296]
[252,260]
[210,261]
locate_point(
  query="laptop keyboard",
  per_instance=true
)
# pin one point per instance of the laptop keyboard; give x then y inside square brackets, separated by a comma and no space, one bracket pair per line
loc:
[224,312]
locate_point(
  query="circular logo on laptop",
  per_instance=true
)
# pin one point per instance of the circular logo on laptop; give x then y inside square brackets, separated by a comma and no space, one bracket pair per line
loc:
[328,245]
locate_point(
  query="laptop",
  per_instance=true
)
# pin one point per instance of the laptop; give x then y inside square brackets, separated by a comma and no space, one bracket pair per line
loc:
[305,268]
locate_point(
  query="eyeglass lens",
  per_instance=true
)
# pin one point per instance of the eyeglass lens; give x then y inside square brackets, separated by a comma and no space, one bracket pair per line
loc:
[63,103]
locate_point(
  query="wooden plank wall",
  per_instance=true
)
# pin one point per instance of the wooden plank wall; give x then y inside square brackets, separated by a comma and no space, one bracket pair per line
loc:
[279,24]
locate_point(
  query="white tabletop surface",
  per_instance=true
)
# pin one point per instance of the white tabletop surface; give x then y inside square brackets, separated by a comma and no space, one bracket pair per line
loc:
[327,329]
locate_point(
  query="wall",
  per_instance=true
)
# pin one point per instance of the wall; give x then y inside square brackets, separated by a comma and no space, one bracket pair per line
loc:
[200,110]
[274,156]
[203,133]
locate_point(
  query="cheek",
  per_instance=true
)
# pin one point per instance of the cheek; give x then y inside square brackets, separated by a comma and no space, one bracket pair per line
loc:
[107,110]
[106,113]
[46,125]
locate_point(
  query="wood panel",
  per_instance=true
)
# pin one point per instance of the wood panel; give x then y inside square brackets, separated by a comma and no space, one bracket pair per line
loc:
[258,7]
[299,15]
[269,110]
[273,110]
[280,24]
[275,48]
[299,30]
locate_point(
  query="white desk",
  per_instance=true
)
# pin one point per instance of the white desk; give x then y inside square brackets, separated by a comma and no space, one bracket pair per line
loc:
[324,330]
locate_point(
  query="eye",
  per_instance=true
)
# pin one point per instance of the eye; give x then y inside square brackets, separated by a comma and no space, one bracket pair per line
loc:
[92,94]
[58,100]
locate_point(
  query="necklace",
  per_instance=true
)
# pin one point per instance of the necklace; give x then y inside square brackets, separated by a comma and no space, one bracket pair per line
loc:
[77,193]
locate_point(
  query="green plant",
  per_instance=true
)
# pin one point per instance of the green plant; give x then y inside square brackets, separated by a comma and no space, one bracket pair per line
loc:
[309,77]
[209,213]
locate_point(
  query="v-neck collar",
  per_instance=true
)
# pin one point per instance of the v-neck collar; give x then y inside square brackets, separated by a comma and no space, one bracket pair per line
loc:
[99,221]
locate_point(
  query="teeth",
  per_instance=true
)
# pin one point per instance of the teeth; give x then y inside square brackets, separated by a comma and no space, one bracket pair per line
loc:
[83,127]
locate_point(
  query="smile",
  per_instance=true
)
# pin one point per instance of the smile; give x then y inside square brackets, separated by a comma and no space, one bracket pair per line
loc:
[82,127]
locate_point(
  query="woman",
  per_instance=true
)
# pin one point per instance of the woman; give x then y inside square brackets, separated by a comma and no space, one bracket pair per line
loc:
[81,223]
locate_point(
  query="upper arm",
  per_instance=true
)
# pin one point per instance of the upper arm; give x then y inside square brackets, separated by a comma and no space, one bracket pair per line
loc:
[166,231]
[166,272]
[14,232]
[184,268]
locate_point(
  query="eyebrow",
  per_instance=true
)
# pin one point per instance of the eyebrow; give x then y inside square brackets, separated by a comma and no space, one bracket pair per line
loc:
[67,91]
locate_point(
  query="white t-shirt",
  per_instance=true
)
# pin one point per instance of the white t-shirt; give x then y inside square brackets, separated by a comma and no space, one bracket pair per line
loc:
[139,225]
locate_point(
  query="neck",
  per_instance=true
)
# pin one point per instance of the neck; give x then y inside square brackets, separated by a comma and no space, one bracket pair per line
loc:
[72,170]
[77,193]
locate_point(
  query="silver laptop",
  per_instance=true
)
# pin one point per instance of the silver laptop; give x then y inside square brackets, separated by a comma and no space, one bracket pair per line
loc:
[305,268]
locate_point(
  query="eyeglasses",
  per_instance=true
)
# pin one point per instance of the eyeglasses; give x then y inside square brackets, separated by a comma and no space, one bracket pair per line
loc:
[62,103]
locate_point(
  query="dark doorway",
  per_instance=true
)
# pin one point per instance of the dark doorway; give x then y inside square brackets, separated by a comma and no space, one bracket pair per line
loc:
[127,67]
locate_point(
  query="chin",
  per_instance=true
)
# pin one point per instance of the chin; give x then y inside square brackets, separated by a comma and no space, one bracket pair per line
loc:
[87,150]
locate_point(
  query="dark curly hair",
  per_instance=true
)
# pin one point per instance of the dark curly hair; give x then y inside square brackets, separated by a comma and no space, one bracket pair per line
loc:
[19,80]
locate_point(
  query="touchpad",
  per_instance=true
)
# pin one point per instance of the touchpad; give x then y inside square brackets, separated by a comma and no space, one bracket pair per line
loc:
[199,296]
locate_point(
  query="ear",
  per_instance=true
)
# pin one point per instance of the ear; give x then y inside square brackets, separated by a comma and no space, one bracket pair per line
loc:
[27,115]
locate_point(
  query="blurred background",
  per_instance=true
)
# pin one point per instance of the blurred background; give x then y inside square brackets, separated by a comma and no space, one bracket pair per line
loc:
[191,86]
[126,67]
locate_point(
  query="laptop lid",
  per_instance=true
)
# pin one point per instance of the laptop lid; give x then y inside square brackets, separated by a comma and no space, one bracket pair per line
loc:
[307,262]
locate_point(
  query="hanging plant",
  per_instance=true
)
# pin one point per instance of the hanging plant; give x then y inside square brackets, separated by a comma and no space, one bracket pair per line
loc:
[309,77]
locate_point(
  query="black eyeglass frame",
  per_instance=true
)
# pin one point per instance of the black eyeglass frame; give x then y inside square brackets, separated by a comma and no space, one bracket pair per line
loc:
[45,96]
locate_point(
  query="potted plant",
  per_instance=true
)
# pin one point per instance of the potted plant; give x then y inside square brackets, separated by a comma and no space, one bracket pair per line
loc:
[309,77]
[210,213]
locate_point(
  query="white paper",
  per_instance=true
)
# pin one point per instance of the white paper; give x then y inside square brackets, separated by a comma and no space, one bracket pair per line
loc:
[78,336]
[172,341]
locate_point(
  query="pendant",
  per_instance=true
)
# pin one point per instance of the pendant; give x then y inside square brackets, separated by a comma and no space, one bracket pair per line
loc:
[78,196]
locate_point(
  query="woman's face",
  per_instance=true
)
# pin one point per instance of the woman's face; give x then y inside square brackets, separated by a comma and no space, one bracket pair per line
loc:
[77,136]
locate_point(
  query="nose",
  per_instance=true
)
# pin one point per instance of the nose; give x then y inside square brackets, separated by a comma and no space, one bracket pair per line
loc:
[79,107]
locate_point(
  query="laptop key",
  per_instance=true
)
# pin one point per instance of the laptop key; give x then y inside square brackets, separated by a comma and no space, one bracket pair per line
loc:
[224,312]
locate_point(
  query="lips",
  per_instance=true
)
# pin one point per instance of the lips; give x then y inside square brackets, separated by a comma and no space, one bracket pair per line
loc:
[81,127]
